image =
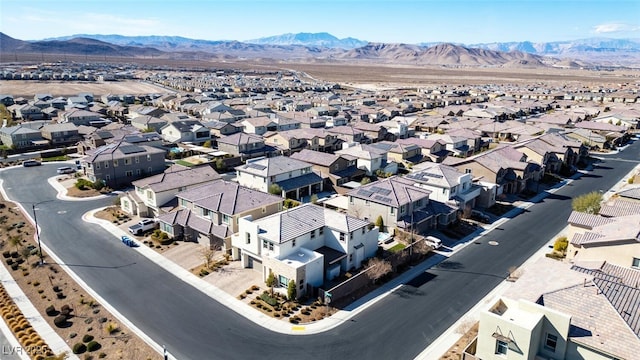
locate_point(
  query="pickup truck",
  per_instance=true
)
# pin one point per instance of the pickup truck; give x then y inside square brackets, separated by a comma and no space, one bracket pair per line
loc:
[142,226]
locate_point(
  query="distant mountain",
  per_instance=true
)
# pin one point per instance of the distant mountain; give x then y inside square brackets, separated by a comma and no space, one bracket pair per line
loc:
[322,39]
[164,43]
[77,46]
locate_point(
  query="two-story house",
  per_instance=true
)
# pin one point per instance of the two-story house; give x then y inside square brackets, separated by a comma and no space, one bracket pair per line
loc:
[369,158]
[295,140]
[191,131]
[61,134]
[81,117]
[347,134]
[152,193]
[447,184]
[401,205]
[295,179]
[245,146]
[336,170]
[120,163]
[307,244]
[209,214]
[399,152]
[21,137]
[148,122]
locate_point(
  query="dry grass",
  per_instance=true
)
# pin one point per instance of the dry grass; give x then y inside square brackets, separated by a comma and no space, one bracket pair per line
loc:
[72,88]
[40,283]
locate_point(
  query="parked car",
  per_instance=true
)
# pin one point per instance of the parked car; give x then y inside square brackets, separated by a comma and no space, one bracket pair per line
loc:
[66,170]
[28,163]
[142,226]
[433,241]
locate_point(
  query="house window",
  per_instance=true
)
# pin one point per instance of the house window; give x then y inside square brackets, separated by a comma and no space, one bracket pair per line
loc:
[366,202]
[313,234]
[106,164]
[206,212]
[635,262]
[149,194]
[127,161]
[97,165]
[402,209]
[321,231]
[148,157]
[138,172]
[264,209]
[115,163]
[341,236]
[137,159]
[271,246]
[350,257]
[248,238]
[392,210]
[226,219]
[351,200]
[501,347]
[264,244]
[129,173]
[551,342]
[293,243]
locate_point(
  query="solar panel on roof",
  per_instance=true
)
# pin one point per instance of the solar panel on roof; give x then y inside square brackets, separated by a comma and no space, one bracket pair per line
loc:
[437,176]
[131,149]
[364,192]
[382,198]
[256,166]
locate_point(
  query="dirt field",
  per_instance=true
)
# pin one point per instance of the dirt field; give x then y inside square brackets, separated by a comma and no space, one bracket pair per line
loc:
[69,88]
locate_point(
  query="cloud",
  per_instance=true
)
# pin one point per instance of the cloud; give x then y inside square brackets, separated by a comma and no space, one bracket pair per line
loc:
[614,28]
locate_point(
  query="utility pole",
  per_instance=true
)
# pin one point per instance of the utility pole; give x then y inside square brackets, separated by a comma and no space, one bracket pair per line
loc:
[35,220]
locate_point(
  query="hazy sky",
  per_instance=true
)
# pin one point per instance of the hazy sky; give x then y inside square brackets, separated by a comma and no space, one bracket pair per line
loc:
[406,21]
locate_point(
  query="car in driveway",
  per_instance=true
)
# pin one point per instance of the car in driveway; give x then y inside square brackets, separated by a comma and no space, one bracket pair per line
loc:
[65,170]
[29,163]
[142,226]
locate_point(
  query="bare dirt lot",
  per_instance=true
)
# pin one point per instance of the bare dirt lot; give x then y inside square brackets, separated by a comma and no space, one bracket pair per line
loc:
[72,88]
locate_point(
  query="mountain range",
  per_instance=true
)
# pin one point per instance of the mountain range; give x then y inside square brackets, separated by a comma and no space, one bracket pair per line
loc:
[326,47]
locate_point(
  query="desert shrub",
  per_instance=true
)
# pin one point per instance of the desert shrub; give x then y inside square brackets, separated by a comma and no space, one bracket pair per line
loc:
[561,244]
[60,320]
[268,299]
[51,310]
[102,355]
[93,346]
[111,327]
[83,184]
[79,348]
[588,203]
[6,254]
[86,338]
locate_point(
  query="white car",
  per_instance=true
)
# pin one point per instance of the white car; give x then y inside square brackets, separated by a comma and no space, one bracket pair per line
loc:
[65,170]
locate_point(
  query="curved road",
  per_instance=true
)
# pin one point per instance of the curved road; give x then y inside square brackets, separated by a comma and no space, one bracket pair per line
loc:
[193,326]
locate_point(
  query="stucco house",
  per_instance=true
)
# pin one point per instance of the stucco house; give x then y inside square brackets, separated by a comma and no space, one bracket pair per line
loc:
[120,163]
[447,184]
[369,158]
[295,178]
[191,131]
[151,193]
[209,214]
[21,137]
[336,170]
[246,146]
[307,244]
[401,205]
[61,134]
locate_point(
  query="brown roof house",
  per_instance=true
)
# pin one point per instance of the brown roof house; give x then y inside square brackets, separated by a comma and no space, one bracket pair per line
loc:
[336,170]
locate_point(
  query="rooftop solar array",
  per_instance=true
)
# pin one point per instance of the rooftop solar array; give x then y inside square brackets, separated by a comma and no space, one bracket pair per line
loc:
[131,149]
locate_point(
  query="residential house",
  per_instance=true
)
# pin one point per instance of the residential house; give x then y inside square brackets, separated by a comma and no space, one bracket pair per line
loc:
[399,152]
[347,134]
[598,238]
[336,170]
[219,129]
[295,140]
[119,164]
[209,214]
[434,150]
[154,192]
[372,132]
[295,179]
[61,134]
[558,311]
[589,138]
[456,145]
[369,158]
[148,122]
[21,137]
[305,245]
[505,166]
[447,184]
[400,204]
[27,112]
[186,131]
[245,146]
[82,117]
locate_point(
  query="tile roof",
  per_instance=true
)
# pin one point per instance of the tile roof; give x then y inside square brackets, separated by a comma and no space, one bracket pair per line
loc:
[622,228]
[178,176]
[228,197]
[393,191]
[315,157]
[435,173]
[241,139]
[620,207]
[287,225]
[588,221]
[272,166]
[632,193]
[300,181]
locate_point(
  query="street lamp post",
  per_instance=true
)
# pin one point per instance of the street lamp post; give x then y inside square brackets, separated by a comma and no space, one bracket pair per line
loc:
[35,220]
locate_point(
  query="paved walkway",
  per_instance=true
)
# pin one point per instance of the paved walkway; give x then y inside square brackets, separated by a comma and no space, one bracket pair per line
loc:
[436,349]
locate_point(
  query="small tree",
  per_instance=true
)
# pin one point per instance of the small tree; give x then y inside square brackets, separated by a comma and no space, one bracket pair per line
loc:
[380,223]
[25,252]
[377,268]
[588,203]
[207,254]
[314,198]
[275,189]
[365,180]
[15,241]
[291,290]
[271,281]
[220,164]
[207,144]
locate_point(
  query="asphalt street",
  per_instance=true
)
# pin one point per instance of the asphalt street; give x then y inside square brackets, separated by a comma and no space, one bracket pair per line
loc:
[193,326]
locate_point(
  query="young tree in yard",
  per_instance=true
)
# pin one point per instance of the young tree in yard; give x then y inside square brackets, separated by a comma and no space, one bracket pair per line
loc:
[207,254]
[380,223]
[220,164]
[25,252]
[314,198]
[561,244]
[271,281]
[291,290]
[207,144]
[377,268]
[15,241]
[275,189]
[588,203]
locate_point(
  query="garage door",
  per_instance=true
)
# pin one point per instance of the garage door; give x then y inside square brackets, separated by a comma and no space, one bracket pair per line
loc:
[254,264]
[203,239]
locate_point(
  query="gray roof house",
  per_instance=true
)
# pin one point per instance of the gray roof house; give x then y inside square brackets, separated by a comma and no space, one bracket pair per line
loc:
[295,178]
[153,193]
[145,122]
[306,244]
[208,214]
[66,133]
[246,146]
[119,164]
[21,137]
[191,131]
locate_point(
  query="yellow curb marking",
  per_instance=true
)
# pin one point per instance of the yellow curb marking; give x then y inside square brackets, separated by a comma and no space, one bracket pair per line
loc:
[298,328]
